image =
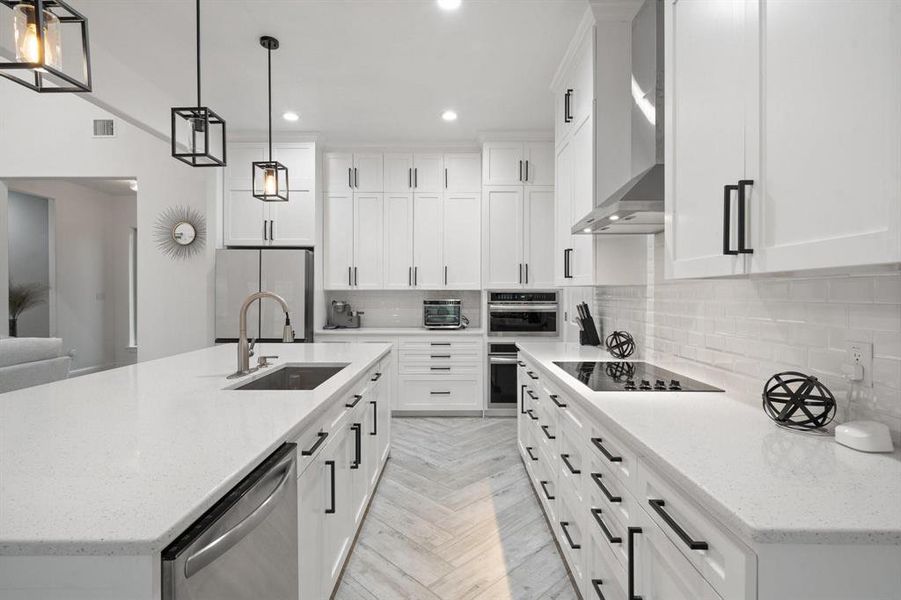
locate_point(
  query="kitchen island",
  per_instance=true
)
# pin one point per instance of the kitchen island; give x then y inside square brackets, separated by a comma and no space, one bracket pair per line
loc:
[101,472]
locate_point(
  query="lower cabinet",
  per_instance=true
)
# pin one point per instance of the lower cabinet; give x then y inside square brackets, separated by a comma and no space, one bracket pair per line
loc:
[343,461]
[440,374]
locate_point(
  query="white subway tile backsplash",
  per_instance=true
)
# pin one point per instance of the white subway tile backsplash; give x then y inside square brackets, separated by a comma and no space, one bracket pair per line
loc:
[878,317]
[888,289]
[851,289]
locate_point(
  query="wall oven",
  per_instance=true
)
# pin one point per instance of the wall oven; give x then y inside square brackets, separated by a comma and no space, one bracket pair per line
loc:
[502,376]
[514,314]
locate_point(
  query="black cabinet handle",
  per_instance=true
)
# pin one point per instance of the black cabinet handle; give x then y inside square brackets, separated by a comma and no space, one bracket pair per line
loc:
[320,438]
[375,418]
[410,177]
[532,375]
[527,174]
[567,268]
[531,415]
[527,267]
[522,399]
[520,273]
[356,400]
[265,230]
[520,174]
[410,276]
[727,219]
[358,442]
[439,343]
[613,539]
[600,446]
[445,274]
[596,584]
[415,178]
[439,356]
[557,402]
[632,531]
[271,230]
[569,465]
[566,106]
[445,177]
[546,493]
[350,280]
[742,184]
[350,182]
[376,377]
[531,395]
[415,275]
[439,368]
[356,178]
[658,505]
[529,452]
[331,465]
[569,540]
[544,428]
[439,393]
[597,479]
[356,279]
[520,363]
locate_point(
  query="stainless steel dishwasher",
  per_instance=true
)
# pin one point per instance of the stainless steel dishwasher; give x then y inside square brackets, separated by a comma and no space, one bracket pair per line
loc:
[245,546]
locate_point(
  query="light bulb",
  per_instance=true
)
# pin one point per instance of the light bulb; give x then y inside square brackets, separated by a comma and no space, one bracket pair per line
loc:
[25,27]
[270,182]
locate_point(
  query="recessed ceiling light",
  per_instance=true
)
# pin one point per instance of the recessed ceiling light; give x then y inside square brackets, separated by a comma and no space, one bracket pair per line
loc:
[291,116]
[449,115]
[449,4]
[614,217]
[586,230]
[133,185]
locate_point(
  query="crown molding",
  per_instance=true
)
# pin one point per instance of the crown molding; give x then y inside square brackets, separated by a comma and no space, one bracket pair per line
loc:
[616,10]
[584,28]
[530,135]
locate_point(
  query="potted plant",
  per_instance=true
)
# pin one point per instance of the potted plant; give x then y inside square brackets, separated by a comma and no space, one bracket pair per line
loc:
[21,298]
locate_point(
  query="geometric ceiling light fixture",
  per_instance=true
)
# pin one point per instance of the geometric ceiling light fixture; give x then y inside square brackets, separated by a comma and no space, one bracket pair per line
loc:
[36,61]
[198,133]
[270,177]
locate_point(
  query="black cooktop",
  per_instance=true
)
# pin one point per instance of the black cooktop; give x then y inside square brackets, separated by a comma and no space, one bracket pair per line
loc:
[633,376]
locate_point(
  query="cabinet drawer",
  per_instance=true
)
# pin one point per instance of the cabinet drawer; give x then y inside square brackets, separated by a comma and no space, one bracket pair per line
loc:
[439,345]
[570,532]
[605,578]
[618,457]
[439,368]
[607,517]
[423,392]
[439,355]
[725,562]
[572,464]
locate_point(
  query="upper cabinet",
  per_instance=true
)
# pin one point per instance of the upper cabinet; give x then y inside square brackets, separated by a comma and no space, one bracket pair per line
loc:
[251,222]
[358,172]
[516,163]
[782,129]
[463,172]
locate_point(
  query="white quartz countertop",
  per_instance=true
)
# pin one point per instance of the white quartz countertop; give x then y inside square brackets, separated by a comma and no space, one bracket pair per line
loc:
[767,484]
[122,461]
[400,331]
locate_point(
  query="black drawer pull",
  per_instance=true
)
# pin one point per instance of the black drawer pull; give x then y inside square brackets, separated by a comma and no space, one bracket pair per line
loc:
[358,445]
[520,363]
[569,540]
[742,248]
[613,539]
[532,395]
[376,377]
[557,402]
[439,368]
[596,584]
[529,452]
[631,553]
[440,343]
[357,398]
[604,451]
[331,465]
[531,415]
[610,497]
[440,393]
[440,356]
[375,418]
[569,465]
[546,493]
[658,505]
[727,219]
[544,428]
[532,375]
[321,438]
[522,399]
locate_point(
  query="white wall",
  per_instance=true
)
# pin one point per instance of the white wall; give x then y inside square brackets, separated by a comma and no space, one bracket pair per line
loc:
[29,255]
[4,251]
[50,136]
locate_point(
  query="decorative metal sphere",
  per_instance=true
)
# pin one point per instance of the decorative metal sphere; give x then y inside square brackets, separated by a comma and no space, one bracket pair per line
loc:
[620,344]
[798,401]
[620,370]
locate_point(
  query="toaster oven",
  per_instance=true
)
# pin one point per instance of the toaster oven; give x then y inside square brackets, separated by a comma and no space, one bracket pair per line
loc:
[443,314]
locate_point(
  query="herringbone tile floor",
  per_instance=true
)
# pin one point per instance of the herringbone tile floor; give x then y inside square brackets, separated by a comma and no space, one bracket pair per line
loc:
[454,518]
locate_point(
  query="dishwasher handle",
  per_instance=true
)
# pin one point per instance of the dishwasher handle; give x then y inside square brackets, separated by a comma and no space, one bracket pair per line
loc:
[230,538]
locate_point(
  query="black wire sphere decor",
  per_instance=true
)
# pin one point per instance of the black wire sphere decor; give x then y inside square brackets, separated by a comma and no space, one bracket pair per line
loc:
[619,371]
[798,401]
[620,344]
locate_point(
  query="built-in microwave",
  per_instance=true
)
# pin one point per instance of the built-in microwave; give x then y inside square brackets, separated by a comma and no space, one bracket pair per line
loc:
[515,314]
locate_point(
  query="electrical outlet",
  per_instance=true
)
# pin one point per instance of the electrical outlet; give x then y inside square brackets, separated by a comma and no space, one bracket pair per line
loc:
[861,353]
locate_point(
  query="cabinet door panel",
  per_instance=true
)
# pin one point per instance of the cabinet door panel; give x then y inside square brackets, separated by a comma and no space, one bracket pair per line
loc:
[398,240]
[338,231]
[313,485]
[368,172]
[428,172]
[428,256]
[337,168]
[503,216]
[501,163]
[368,234]
[663,572]
[337,525]
[706,102]
[539,169]
[294,222]
[244,219]
[462,241]
[301,163]
[582,81]
[562,219]
[398,172]
[831,186]
[538,245]
[238,174]
[464,172]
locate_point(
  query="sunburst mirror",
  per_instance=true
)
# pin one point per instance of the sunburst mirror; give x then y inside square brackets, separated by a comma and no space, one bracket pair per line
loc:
[180,232]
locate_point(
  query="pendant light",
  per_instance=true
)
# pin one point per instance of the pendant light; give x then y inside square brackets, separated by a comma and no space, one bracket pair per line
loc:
[270,177]
[198,133]
[38,28]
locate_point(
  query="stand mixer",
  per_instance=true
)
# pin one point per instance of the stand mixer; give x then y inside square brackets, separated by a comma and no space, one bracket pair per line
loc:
[342,316]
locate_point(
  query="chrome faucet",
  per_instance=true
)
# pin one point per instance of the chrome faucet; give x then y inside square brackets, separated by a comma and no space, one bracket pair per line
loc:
[245,347]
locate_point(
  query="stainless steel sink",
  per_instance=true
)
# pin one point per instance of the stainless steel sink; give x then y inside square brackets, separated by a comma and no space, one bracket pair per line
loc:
[294,377]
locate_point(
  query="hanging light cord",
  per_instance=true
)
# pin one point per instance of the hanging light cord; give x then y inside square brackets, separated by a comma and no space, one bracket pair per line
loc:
[269,60]
[198,53]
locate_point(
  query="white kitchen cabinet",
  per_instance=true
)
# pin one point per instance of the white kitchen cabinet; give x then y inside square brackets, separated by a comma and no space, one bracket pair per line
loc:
[539,163]
[428,254]
[368,172]
[580,82]
[538,244]
[361,462]
[428,172]
[238,173]
[398,241]
[246,219]
[338,231]
[463,172]
[502,163]
[338,523]
[300,159]
[293,222]
[581,258]
[313,494]
[563,214]
[398,172]
[368,215]
[461,240]
[503,238]
[338,171]
[356,171]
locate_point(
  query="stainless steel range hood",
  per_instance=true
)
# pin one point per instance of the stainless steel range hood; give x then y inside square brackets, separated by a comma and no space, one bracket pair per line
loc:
[637,206]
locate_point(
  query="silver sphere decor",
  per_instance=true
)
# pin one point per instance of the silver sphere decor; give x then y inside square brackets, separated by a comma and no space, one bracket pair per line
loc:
[180,232]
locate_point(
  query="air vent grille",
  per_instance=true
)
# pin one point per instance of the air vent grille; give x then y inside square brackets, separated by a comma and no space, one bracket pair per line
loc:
[104,128]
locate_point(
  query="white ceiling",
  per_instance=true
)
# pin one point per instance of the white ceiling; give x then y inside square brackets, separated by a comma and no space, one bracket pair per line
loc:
[355,70]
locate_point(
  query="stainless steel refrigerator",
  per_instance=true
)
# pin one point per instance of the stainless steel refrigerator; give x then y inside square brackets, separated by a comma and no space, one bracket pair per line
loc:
[286,272]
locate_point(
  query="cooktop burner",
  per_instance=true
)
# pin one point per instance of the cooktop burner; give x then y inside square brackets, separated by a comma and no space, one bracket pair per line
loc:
[636,376]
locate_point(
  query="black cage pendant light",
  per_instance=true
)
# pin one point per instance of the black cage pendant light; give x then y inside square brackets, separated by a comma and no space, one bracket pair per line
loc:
[270,177]
[198,133]
[41,59]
